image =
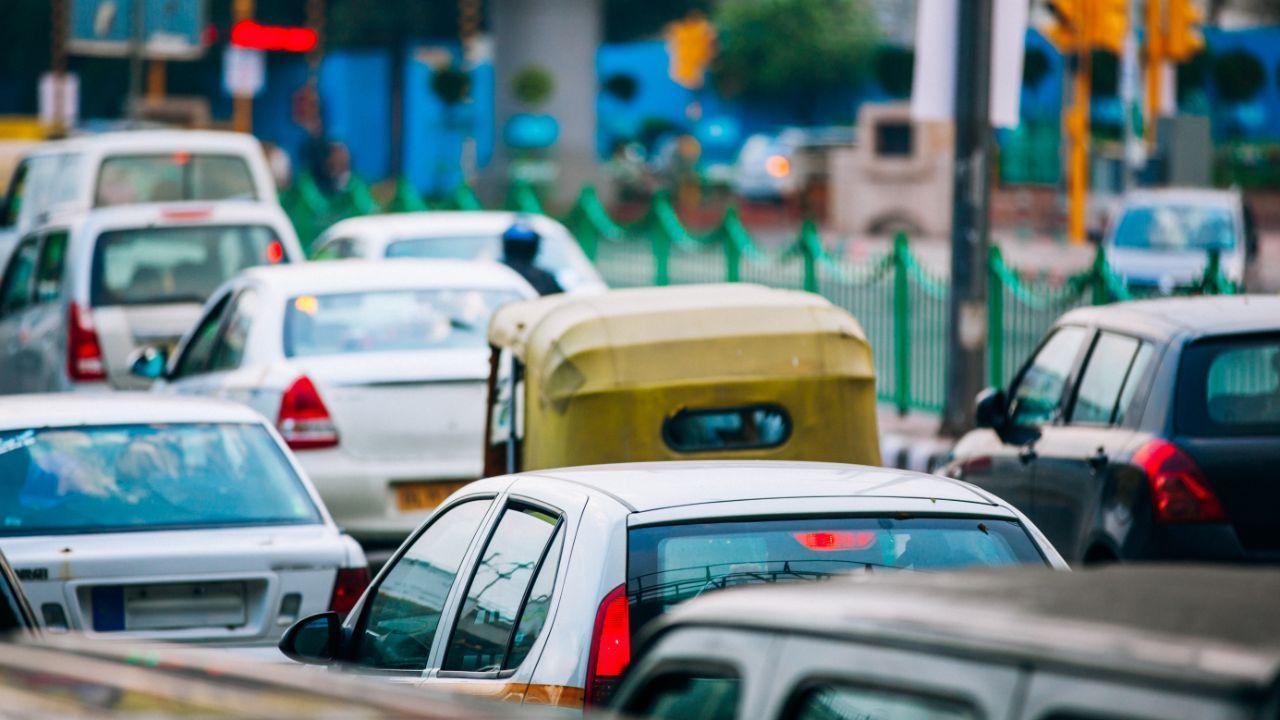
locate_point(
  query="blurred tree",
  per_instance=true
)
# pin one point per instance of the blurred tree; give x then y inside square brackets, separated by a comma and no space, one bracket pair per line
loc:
[895,67]
[626,20]
[1238,76]
[533,86]
[793,51]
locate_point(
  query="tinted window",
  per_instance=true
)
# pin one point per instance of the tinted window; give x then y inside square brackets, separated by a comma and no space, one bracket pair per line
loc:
[1104,375]
[1230,387]
[144,477]
[1175,228]
[336,250]
[668,564]
[841,702]
[15,289]
[129,179]
[1038,397]
[228,351]
[17,192]
[534,616]
[737,428]
[402,618]
[497,591]
[337,324]
[176,264]
[687,696]
[197,352]
[1137,370]
[53,257]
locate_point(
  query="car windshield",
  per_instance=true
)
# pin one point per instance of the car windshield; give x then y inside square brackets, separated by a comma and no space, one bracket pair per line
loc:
[552,255]
[669,564]
[172,177]
[1173,228]
[112,478]
[170,264]
[388,320]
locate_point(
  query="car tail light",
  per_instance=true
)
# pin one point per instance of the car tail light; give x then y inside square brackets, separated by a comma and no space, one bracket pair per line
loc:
[304,420]
[1179,491]
[347,588]
[84,352]
[610,647]
[827,540]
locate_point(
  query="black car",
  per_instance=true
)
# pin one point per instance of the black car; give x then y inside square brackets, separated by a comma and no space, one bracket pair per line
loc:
[1143,430]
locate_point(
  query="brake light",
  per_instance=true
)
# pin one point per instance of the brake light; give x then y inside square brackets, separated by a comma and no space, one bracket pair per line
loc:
[184,214]
[304,420]
[275,252]
[826,540]
[610,647]
[1179,490]
[84,352]
[348,586]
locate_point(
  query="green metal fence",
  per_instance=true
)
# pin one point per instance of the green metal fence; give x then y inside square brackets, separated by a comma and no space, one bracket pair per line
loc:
[901,304]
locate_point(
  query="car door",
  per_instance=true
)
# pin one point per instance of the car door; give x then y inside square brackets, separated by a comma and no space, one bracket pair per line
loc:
[46,319]
[495,637]
[226,375]
[1073,472]
[16,294]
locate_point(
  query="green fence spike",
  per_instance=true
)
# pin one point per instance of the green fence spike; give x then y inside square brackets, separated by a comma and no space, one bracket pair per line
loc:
[521,197]
[995,317]
[901,324]
[406,197]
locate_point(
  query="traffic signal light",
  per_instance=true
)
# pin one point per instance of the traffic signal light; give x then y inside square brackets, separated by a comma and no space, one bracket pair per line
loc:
[1108,22]
[1083,25]
[691,43]
[1182,36]
[1066,32]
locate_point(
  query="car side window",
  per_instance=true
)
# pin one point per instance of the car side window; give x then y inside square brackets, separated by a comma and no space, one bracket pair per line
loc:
[12,207]
[1105,373]
[398,628]
[830,701]
[1038,397]
[228,350]
[53,258]
[338,249]
[196,355]
[688,695]
[498,589]
[534,616]
[15,288]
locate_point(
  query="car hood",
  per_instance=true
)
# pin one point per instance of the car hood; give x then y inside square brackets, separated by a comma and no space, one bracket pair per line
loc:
[1159,267]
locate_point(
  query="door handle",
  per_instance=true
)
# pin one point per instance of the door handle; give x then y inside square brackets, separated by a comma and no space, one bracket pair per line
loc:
[1098,460]
[1027,454]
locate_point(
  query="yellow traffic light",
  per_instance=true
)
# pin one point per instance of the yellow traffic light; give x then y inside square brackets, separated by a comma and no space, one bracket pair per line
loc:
[1108,22]
[691,43]
[1182,37]
[1066,33]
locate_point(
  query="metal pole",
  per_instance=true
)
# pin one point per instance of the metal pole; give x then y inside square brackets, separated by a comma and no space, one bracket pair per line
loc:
[967,334]
[136,52]
[242,106]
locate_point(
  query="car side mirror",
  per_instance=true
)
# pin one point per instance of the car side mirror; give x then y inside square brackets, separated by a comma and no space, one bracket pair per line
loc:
[314,640]
[148,362]
[991,410]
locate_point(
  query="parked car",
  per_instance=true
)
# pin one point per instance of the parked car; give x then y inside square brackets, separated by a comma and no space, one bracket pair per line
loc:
[131,167]
[1167,642]
[1161,239]
[16,616]
[373,371]
[789,164]
[82,291]
[1145,430]
[466,235]
[129,515]
[531,587]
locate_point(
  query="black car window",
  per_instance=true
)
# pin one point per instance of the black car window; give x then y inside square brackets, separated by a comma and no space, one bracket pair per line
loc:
[195,356]
[534,616]
[15,288]
[228,351]
[847,702]
[1104,376]
[1037,399]
[1230,387]
[498,590]
[53,256]
[1128,395]
[746,427]
[400,625]
[688,695]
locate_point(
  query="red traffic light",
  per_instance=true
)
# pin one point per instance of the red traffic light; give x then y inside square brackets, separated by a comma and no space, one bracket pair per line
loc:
[256,36]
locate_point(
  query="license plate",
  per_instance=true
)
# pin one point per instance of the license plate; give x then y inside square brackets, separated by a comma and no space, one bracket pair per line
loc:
[415,496]
[168,607]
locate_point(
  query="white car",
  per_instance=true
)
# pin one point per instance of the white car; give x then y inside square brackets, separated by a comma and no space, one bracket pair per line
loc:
[374,372]
[464,235]
[130,515]
[82,291]
[530,587]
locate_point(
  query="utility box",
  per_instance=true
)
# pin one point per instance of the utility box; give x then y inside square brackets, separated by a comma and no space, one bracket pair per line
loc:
[1184,148]
[896,177]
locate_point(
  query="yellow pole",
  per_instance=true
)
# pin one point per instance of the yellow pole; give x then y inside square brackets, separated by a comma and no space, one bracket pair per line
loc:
[1078,149]
[1154,68]
[156,80]
[242,107]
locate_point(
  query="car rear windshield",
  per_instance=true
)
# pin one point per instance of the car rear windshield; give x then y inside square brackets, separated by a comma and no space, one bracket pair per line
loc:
[1230,387]
[668,564]
[172,177]
[172,264]
[113,478]
[388,320]
[1176,227]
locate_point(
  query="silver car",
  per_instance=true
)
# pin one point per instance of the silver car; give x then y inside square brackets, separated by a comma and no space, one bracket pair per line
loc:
[80,293]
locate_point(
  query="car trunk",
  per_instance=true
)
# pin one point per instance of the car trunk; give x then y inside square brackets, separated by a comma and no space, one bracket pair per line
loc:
[124,328]
[1241,471]
[241,586]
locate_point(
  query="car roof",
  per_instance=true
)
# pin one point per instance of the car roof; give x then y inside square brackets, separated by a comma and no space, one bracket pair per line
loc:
[1212,624]
[1182,196]
[19,412]
[149,141]
[436,222]
[194,212]
[357,275]
[649,486]
[1165,317]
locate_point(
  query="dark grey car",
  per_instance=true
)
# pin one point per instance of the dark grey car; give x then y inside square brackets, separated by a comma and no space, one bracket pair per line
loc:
[1145,430]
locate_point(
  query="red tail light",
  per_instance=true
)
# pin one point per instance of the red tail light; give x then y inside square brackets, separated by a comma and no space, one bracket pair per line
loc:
[347,588]
[610,647]
[84,352]
[1179,490]
[304,420]
[827,540]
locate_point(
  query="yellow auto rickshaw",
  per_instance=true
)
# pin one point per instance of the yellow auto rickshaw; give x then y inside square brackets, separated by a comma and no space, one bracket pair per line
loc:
[690,372]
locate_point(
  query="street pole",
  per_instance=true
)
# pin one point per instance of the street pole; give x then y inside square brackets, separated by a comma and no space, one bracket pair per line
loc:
[242,105]
[136,51]
[967,335]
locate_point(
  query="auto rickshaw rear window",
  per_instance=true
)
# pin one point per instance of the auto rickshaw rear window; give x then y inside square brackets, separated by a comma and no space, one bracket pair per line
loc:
[745,427]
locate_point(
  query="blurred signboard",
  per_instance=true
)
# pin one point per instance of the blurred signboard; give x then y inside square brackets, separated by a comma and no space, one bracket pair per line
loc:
[171,29]
[59,99]
[244,71]
[933,91]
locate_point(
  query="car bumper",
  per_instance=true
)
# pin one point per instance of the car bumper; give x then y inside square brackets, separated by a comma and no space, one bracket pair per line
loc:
[1204,543]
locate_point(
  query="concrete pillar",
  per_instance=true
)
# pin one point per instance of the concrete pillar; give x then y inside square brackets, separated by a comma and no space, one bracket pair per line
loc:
[561,36]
